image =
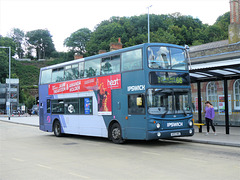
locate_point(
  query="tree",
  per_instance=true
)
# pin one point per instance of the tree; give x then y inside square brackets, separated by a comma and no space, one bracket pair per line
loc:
[103,36]
[18,37]
[213,33]
[4,56]
[223,22]
[41,40]
[77,40]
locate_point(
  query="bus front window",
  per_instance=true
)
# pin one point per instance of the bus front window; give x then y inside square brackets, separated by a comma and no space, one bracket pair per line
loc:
[169,101]
[161,57]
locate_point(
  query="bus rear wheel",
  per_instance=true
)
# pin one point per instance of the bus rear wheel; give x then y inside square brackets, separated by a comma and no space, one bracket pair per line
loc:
[57,129]
[116,134]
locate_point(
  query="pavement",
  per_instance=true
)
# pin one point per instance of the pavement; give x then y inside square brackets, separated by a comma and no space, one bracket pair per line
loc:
[231,139]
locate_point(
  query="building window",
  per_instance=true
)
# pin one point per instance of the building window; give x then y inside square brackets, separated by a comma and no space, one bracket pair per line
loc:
[236,91]
[212,93]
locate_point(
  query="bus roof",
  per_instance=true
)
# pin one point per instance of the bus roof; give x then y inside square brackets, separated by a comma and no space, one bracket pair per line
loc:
[109,54]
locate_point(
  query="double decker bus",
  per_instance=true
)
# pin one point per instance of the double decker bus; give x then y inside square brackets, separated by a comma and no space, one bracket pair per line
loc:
[140,92]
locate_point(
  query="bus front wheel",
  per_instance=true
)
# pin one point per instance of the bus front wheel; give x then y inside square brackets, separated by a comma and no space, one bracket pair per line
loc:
[116,134]
[57,129]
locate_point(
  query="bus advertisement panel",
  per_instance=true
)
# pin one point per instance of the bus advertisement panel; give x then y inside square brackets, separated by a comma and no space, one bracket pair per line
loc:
[103,86]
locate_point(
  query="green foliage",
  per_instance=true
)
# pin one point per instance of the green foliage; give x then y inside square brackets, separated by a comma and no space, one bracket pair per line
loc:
[26,98]
[174,28]
[41,40]
[28,74]
[77,41]
[4,56]
[223,23]
[18,37]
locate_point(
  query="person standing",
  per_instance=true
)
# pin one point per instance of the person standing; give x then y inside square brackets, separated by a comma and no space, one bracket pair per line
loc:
[209,116]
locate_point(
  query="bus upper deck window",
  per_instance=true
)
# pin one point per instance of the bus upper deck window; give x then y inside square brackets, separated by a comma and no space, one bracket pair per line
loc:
[46,76]
[159,57]
[178,59]
[132,60]
[58,74]
[92,68]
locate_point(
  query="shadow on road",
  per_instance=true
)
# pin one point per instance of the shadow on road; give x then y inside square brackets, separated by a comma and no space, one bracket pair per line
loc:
[140,143]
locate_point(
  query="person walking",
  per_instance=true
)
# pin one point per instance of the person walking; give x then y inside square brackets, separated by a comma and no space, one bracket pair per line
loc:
[209,116]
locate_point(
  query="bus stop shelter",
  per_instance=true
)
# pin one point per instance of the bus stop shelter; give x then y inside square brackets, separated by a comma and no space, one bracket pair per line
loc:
[215,71]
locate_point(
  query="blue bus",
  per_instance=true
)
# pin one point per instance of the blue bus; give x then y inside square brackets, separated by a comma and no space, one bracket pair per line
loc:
[141,92]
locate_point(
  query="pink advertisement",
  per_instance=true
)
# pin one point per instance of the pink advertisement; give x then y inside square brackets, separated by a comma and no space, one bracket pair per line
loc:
[103,86]
[72,86]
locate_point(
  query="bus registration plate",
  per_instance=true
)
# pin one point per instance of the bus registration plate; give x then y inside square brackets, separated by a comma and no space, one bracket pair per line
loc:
[176,134]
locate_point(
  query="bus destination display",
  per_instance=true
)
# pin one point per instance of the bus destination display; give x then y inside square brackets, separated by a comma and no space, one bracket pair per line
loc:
[169,78]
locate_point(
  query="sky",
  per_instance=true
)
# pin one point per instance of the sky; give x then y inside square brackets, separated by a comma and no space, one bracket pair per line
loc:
[63,17]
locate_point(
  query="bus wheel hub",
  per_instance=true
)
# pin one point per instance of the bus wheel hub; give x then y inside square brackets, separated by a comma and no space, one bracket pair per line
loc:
[116,133]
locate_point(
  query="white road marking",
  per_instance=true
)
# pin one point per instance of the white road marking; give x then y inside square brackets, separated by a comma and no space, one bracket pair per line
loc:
[152,153]
[198,160]
[43,166]
[16,159]
[78,175]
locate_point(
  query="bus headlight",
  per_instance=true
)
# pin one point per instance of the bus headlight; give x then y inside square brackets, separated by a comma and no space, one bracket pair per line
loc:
[190,123]
[158,125]
[190,131]
[158,134]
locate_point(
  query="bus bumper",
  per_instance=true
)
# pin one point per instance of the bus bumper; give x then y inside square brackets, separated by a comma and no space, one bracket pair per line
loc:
[164,134]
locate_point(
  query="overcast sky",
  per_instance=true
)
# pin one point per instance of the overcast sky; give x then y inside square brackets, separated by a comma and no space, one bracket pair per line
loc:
[63,17]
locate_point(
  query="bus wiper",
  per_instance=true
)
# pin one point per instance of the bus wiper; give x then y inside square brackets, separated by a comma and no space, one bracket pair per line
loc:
[184,112]
[163,116]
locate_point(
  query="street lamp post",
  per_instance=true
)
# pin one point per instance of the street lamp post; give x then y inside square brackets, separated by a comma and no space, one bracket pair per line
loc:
[148,25]
[9,83]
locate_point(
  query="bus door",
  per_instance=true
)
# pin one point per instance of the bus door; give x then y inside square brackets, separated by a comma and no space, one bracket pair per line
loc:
[45,114]
[136,116]
[118,107]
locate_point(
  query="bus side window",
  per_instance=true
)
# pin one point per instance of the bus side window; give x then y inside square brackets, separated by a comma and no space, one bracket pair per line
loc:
[48,106]
[136,104]
[92,68]
[86,106]
[132,60]
[81,69]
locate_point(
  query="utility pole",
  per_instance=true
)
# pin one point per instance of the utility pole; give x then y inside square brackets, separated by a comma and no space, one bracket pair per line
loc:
[148,25]
[9,83]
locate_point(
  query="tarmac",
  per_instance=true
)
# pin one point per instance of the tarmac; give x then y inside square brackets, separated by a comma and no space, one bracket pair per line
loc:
[232,139]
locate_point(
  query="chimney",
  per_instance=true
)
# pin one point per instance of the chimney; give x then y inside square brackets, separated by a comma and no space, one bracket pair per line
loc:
[116,46]
[78,56]
[234,27]
[101,51]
